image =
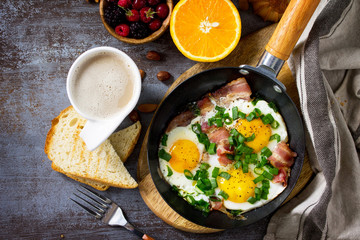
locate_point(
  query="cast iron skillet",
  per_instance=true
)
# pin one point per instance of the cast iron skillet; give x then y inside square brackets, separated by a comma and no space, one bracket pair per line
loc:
[263,83]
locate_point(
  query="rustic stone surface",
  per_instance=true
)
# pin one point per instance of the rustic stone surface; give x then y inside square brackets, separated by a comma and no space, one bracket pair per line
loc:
[39,40]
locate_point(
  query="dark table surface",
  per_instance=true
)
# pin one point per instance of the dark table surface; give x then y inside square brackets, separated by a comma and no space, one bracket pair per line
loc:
[39,40]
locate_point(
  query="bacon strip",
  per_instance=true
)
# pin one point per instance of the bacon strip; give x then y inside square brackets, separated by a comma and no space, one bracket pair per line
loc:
[215,205]
[282,158]
[205,105]
[236,89]
[181,120]
[220,136]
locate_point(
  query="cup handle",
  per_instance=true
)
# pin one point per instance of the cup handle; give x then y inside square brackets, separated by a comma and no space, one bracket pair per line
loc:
[96,132]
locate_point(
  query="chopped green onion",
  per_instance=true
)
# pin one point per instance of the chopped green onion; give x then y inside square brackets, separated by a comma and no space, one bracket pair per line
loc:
[250,117]
[251,200]
[257,112]
[267,119]
[263,161]
[228,120]
[196,128]
[204,166]
[258,171]
[257,191]
[215,172]
[211,121]
[267,175]
[275,124]
[203,174]
[230,156]
[241,115]
[251,138]
[253,158]
[242,148]
[203,184]
[164,155]
[237,157]
[164,140]
[235,112]
[273,106]
[241,138]
[234,132]
[245,167]
[213,183]
[220,109]
[170,172]
[196,176]
[247,159]
[275,136]
[264,196]
[224,194]
[235,212]
[188,174]
[266,184]
[190,199]
[225,175]
[212,148]
[209,192]
[274,171]
[266,152]
[258,179]
[237,164]
[231,141]
[218,122]
[265,190]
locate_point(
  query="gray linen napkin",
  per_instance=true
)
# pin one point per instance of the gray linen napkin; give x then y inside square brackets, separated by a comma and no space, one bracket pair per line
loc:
[326,63]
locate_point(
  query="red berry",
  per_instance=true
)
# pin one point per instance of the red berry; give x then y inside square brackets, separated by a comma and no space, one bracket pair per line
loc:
[124,3]
[147,14]
[132,15]
[122,30]
[138,4]
[162,10]
[155,25]
[153,2]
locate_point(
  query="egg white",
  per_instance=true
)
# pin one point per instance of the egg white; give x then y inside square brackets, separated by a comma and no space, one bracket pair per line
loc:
[187,187]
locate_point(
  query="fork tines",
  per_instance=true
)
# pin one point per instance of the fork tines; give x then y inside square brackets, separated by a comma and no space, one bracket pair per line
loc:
[98,203]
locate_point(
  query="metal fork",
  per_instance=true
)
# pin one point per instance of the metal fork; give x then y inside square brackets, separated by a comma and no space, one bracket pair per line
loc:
[106,210]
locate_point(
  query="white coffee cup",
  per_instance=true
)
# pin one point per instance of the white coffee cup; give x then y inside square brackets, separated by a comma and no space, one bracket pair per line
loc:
[103,86]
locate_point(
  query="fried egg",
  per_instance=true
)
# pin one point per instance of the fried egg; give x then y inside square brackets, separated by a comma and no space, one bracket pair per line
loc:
[187,153]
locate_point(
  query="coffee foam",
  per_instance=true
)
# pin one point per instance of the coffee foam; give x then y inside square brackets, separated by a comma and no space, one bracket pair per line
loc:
[102,85]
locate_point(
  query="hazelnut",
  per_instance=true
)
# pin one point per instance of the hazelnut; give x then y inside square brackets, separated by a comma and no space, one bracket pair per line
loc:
[163,75]
[147,108]
[154,56]
[142,74]
[134,116]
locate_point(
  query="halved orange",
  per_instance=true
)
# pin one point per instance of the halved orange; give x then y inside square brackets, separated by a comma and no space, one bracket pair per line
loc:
[205,30]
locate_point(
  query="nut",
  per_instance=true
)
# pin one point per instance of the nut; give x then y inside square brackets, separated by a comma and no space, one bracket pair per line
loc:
[147,108]
[163,75]
[142,74]
[134,116]
[154,56]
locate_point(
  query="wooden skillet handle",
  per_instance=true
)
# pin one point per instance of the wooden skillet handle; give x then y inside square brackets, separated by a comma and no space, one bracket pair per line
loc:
[290,27]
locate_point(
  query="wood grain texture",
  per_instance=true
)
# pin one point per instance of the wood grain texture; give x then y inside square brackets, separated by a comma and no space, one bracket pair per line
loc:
[290,27]
[247,52]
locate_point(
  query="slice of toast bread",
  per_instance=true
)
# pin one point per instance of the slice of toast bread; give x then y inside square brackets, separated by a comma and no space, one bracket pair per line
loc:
[123,141]
[70,156]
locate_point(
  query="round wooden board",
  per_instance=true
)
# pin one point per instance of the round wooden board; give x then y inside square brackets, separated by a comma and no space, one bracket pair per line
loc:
[247,52]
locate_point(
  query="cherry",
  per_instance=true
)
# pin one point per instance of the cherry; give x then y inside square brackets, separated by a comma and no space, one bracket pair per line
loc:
[162,10]
[147,14]
[132,15]
[153,2]
[155,24]
[138,4]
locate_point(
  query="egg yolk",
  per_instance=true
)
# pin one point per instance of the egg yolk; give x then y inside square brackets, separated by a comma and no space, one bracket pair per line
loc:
[184,155]
[239,187]
[256,126]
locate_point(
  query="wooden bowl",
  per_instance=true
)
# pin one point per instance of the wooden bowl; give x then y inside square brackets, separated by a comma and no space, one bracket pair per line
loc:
[151,37]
